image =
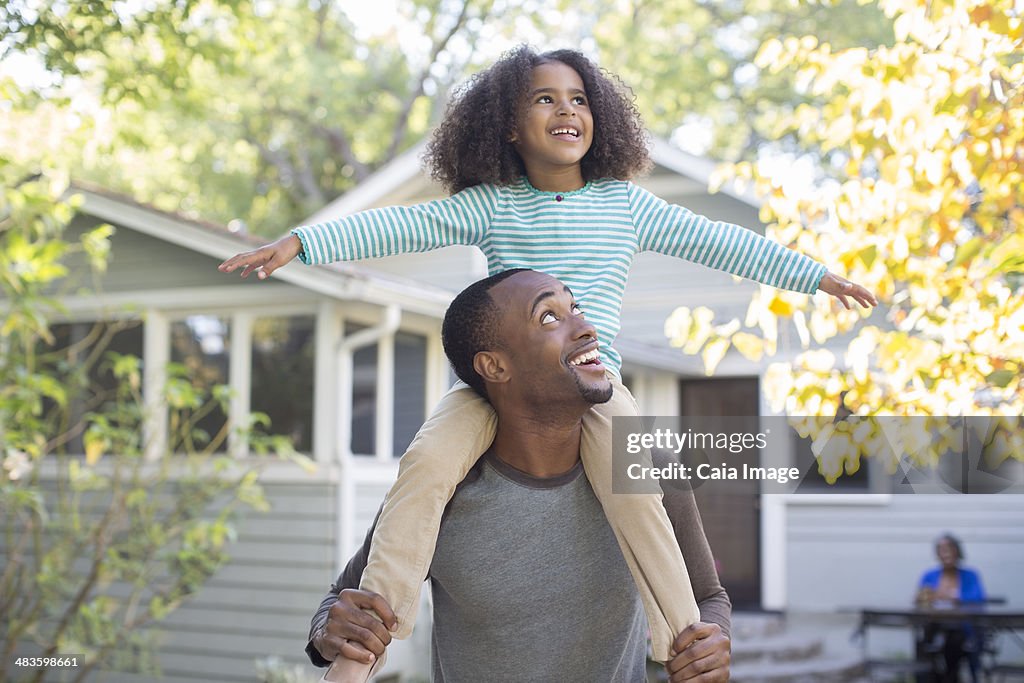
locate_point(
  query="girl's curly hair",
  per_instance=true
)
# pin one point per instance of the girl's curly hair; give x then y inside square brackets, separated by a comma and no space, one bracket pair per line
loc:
[472,144]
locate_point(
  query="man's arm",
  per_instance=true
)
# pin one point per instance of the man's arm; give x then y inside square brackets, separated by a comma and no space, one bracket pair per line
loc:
[321,636]
[349,578]
[713,601]
[701,651]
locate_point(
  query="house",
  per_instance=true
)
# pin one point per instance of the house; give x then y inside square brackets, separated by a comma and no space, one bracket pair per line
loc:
[334,355]
[347,359]
[822,549]
[774,550]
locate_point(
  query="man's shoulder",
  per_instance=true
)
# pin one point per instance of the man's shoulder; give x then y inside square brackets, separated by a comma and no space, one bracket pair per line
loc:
[471,478]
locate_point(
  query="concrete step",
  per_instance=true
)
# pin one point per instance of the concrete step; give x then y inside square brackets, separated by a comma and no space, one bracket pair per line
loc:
[748,625]
[830,669]
[771,648]
[784,647]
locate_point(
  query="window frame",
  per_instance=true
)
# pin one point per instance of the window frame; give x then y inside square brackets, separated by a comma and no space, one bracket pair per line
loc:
[240,324]
[330,316]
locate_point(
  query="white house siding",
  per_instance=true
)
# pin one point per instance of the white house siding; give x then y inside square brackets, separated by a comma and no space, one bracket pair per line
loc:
[260,603]
[452,268]
[844,555]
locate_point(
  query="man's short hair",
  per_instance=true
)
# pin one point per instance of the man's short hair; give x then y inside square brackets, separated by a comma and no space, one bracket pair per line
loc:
[471,326]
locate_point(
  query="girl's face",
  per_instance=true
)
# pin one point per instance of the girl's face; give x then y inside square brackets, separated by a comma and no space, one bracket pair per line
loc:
[556,129]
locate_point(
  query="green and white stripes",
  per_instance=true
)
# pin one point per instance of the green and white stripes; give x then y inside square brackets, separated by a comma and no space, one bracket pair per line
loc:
[586,238]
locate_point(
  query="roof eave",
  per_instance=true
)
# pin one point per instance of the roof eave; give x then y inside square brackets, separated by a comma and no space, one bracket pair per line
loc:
[337,281]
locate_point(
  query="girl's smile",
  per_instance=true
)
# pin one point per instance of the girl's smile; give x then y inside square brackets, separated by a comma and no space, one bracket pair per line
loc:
[556,128]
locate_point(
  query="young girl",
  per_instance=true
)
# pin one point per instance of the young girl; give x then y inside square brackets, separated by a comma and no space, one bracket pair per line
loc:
[537,151]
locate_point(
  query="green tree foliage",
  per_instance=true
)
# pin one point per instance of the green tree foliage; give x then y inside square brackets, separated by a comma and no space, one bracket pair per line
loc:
[259,111]
[922,203]
[691,64]
[265,111]
[95,547]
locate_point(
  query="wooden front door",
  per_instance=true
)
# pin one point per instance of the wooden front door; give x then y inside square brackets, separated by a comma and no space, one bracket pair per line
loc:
[731,510]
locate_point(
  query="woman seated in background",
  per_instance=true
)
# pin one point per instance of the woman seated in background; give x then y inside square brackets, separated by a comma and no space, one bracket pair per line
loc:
[949,584]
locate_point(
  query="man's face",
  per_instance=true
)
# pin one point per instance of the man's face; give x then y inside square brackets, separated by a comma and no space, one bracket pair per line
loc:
[550,348]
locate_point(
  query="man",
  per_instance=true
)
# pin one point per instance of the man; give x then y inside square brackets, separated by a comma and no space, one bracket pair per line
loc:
[527,577]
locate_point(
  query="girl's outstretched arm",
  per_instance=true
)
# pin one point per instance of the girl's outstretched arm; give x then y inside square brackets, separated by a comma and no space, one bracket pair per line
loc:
[460,219]
[264,260]
[840,288]
[676,231]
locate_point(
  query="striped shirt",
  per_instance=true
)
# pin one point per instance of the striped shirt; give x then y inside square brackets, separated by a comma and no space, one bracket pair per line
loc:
[586,238]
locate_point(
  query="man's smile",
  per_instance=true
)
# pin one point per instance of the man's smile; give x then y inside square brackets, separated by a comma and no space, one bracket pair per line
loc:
[588,358]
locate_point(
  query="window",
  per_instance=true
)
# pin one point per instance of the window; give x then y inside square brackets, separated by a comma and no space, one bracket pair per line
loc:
[410,388]
[364,396]
[201,343]
[282,376]
[79,360]
[410,379]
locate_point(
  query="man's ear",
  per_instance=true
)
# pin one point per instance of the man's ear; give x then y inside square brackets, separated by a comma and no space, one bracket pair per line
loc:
[491,366]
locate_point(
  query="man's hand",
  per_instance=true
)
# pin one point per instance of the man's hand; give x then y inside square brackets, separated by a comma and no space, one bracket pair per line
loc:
[354,633]
[266,259]
[840,288]
[700,653]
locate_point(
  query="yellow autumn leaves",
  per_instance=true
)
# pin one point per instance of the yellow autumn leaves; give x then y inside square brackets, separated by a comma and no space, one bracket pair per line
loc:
[921,199]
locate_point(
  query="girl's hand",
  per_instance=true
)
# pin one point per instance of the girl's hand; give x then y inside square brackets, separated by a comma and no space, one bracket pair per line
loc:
[840,288]
[266,259]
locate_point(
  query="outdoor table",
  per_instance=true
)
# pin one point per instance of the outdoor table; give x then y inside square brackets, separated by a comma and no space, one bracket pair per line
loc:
[986,618]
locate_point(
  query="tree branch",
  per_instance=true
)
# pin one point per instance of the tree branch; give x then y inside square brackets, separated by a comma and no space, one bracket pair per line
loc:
[279,160]
[307,180]
[335,137]
[102,541]
[401,123]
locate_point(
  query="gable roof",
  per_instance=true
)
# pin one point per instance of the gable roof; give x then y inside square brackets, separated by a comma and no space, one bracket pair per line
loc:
[338,280]
[699,169]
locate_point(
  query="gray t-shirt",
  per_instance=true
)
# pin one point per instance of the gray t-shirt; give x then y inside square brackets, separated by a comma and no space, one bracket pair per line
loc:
[554,560]
[529,584]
